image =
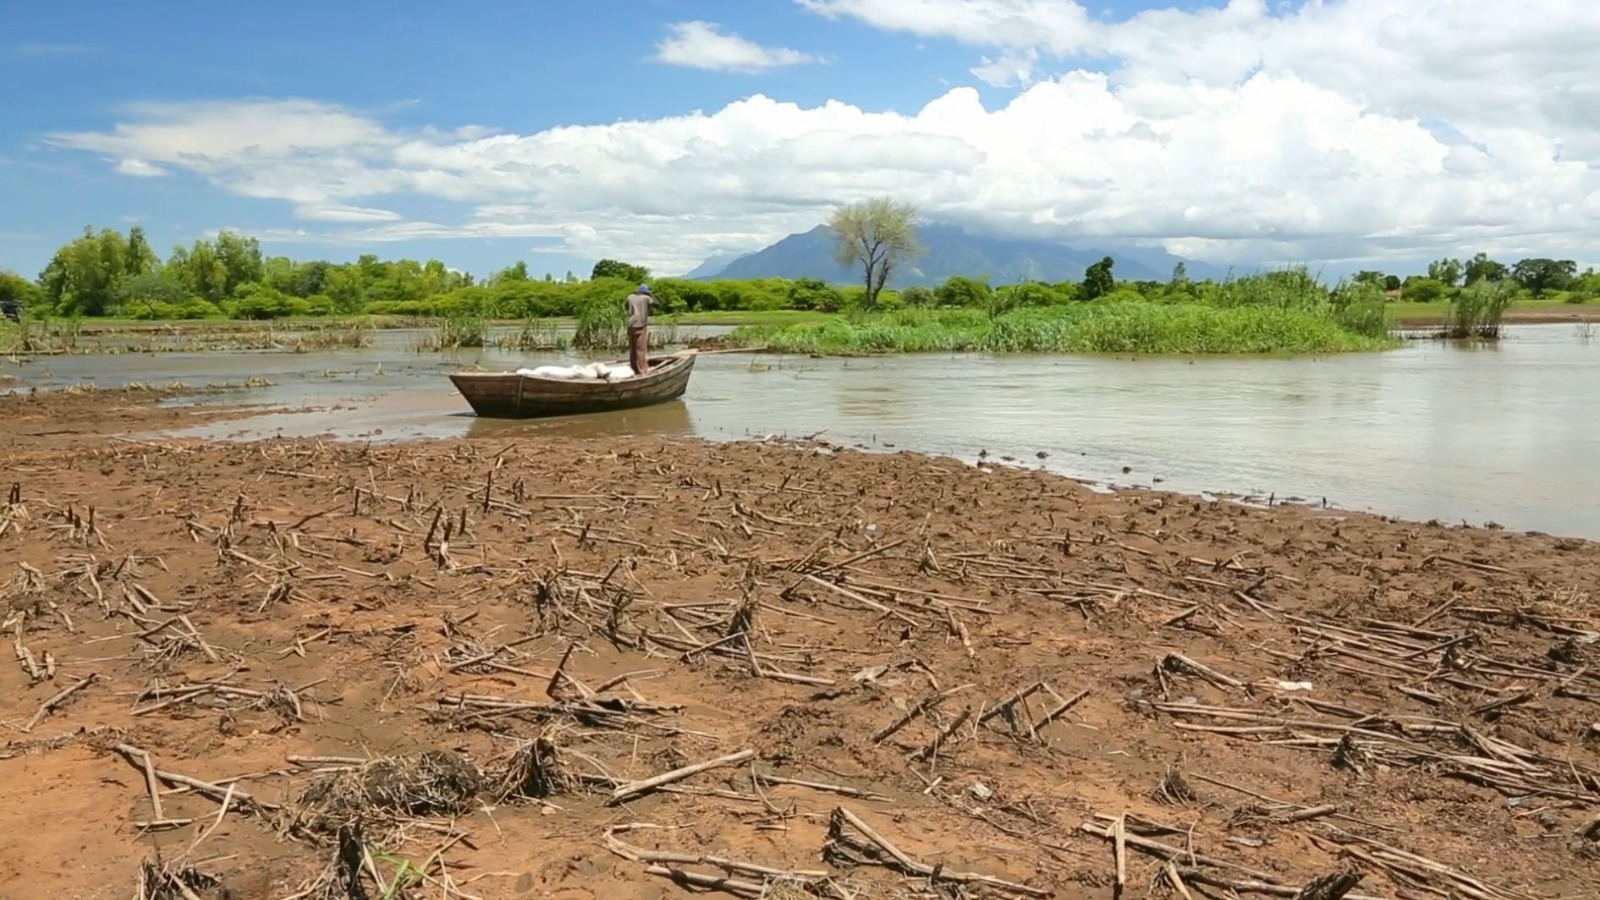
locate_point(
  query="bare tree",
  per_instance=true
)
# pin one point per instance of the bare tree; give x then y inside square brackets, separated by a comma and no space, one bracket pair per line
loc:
[878,235]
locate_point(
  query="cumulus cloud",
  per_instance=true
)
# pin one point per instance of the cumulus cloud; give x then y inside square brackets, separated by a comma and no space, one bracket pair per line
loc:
[704,45]
[1342,129]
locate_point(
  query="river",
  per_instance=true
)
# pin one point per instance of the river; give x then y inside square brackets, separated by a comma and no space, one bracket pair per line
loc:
[1507,434]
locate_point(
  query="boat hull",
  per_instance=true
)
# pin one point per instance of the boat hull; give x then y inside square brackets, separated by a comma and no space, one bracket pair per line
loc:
[507,395]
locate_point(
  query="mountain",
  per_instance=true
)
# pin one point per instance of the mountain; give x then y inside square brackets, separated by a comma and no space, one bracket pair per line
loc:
[952,250]
[711,266]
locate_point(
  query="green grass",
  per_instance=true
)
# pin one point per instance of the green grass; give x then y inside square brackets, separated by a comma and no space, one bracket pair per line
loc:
[1119,327]
[293,323]
[1436,313]
[754,317]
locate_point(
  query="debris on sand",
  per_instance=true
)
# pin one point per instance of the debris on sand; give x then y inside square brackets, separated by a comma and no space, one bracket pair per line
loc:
[652,667]
[432,783]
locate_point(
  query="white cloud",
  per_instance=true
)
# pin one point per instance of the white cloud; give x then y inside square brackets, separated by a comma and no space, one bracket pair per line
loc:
[1013,67]
[138,168]
[333,212]
[704,45]
[1343,129]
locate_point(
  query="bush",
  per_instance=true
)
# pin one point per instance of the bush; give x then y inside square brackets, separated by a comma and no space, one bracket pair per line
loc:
[600,326]
[1121,295]
[1424,290]
[961,291]
[160,311]
[1099,327]
[1362,308]
[259,302]
[1478,309]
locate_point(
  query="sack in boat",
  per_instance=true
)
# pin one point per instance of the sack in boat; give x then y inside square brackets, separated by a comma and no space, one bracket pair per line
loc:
[596,371]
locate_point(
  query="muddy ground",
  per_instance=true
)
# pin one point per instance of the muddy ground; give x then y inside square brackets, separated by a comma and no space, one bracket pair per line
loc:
[446,669]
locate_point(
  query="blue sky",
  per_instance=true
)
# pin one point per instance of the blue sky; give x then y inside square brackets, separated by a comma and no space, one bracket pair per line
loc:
[122,113]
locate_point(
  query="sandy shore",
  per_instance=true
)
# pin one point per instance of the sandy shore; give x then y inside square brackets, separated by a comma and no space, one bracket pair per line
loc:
[868,675]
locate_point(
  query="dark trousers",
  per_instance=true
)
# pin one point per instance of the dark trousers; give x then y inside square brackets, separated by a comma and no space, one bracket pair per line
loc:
[639,350]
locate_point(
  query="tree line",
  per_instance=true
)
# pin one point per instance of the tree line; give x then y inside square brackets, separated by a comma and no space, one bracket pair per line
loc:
[112,273]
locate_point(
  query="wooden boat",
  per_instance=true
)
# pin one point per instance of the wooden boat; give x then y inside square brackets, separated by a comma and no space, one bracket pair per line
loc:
[508,395]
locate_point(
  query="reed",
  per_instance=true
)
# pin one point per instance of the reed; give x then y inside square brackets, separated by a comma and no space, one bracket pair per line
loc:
[1478,310]
[1125,328]
[533,335]
[456,332]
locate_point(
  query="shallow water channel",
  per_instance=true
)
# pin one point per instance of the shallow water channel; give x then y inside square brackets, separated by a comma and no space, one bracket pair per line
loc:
[1507,434]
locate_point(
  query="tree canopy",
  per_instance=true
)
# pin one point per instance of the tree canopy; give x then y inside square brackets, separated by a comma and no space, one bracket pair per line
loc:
[879,235]
[109,272]
[1098,280]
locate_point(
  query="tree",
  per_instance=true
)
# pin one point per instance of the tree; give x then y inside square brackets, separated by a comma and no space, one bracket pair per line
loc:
[611,268]
[343,286]
[18,290]
[517,273]
[1445,271]
[1424,290]
[241,260]
[1482,268]
[879,235]
[138,258]
[83,276]
[1180,274]
[961,291]
[1098,280]
[812,293]
[153,288]
[1369,276]
[1542,275]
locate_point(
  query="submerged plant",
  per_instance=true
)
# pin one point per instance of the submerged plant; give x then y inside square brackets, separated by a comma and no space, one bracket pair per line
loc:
[457,332]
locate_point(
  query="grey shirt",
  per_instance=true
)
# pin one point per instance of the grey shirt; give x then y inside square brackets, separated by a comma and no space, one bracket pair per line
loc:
[639,309]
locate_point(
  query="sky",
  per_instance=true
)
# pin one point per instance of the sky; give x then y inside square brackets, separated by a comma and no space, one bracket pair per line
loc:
[1362,133]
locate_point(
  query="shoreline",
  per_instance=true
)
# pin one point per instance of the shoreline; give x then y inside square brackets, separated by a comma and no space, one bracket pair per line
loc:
[214,408]
[792,643]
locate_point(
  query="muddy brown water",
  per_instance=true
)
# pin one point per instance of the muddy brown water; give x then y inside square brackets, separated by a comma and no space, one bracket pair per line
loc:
[1507,434]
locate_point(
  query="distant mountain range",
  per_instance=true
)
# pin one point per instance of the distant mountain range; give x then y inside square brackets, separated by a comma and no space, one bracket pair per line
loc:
[952,250]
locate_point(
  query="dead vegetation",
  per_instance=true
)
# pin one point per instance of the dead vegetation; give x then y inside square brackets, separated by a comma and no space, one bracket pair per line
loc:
[774,671]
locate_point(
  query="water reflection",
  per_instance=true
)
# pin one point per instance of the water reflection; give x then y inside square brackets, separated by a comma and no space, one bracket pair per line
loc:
[667,418]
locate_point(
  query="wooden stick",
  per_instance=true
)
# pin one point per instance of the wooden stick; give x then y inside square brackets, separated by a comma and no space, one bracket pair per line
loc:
[1176,881]
[864,601]
[1167,852]
[922,706]
[1203,671]
[865,554]
[635,788]
[57,700]
[134,755]
[927,871]
[1119,850]
[1066,704]
[769,780]
[155,789]
[930,749]
[709,882]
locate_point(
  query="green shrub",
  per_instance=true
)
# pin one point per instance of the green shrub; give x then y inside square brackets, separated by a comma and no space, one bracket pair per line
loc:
[1478,309]
[962,291]
[1098,327]
[1362,308]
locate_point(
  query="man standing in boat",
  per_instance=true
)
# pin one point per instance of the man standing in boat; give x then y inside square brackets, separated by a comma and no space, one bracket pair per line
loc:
[638,329]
